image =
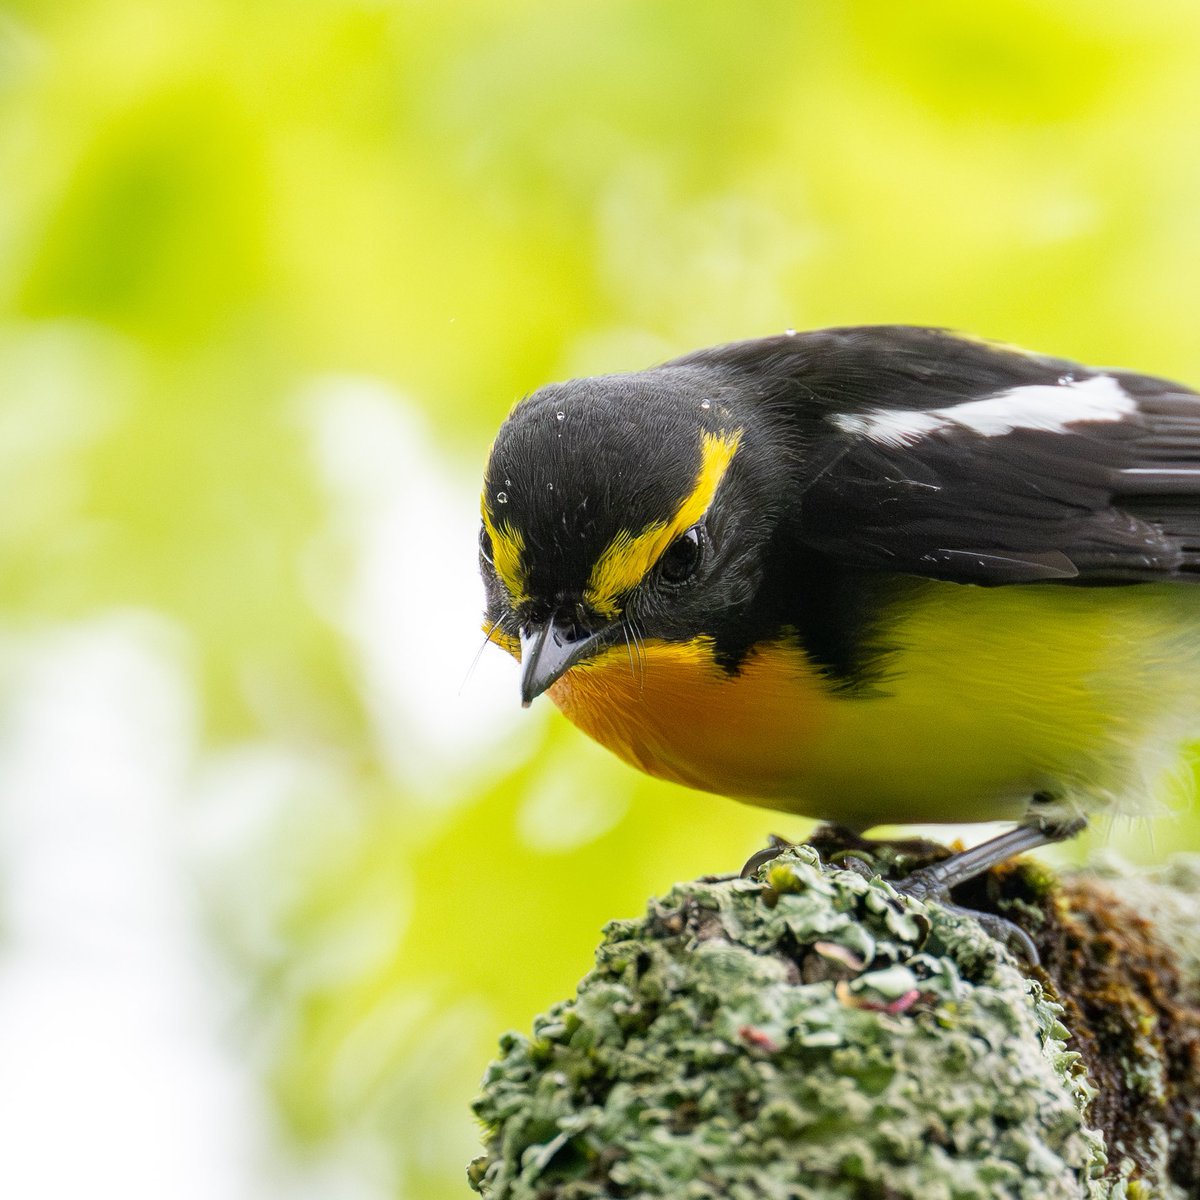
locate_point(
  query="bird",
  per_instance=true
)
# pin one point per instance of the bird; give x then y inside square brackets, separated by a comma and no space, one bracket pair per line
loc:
[879,574]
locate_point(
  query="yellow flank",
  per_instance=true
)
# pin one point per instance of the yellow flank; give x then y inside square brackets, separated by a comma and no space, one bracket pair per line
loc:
[993,694]
[507,546]
[628,557]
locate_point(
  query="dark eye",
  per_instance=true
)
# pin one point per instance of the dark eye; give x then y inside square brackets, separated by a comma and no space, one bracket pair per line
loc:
[485,544]
[681,558]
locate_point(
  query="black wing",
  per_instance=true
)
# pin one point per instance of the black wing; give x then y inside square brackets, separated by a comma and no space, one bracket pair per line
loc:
[1089,476]
[939,456]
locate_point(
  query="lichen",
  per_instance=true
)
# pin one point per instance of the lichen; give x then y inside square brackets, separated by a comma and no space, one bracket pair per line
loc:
[806,1034]
[1121,950]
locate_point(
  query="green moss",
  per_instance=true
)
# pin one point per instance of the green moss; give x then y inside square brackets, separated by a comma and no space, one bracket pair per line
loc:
[810,1036]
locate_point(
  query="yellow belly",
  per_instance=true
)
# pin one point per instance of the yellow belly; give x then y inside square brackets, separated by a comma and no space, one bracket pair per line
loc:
[991,695]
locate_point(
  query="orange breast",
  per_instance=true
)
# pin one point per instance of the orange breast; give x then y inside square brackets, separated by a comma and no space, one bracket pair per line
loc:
[775,734]
[676,714]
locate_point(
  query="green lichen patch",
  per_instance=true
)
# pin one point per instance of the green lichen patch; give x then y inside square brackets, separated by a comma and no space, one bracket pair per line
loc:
[806,1034]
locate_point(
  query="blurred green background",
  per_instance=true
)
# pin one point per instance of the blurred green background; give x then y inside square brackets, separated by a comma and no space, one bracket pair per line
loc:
[274,872]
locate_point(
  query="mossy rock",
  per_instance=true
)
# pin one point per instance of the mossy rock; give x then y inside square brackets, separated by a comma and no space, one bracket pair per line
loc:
[809,1034]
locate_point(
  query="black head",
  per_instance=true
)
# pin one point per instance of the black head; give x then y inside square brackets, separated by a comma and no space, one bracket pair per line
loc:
[621,505]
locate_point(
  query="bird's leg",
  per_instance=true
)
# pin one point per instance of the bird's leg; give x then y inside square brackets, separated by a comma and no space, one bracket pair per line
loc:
[1035,831]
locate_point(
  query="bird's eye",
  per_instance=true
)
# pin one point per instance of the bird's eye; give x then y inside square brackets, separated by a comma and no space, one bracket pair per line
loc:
[485,544]
[681,558]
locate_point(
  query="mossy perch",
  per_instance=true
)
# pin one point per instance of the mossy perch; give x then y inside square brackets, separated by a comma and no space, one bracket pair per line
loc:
[809,1035]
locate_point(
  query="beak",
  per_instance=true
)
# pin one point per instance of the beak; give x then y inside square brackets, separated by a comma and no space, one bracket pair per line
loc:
[548,651]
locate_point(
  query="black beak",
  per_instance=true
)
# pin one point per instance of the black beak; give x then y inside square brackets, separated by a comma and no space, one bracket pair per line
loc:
[549,650]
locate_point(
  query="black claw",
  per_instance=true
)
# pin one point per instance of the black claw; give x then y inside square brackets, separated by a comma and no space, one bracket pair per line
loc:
[1007,932]
[759,858]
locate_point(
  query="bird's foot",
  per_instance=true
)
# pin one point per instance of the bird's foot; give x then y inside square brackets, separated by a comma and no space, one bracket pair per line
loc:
[935,881]
[921,886]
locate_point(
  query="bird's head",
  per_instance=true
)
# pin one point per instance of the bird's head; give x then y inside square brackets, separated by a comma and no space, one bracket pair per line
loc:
[620,509]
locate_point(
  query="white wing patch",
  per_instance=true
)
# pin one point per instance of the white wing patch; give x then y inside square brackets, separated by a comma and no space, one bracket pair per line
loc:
[1049,408]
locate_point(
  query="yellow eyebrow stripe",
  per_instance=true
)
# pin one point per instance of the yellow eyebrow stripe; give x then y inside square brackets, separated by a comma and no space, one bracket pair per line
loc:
[628,557]
[507,547]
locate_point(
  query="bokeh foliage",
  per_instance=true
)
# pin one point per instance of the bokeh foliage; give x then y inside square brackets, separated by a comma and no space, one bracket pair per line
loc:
[210,208]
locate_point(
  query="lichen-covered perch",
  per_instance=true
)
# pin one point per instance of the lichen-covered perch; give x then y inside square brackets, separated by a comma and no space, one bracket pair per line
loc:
[810,1035]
